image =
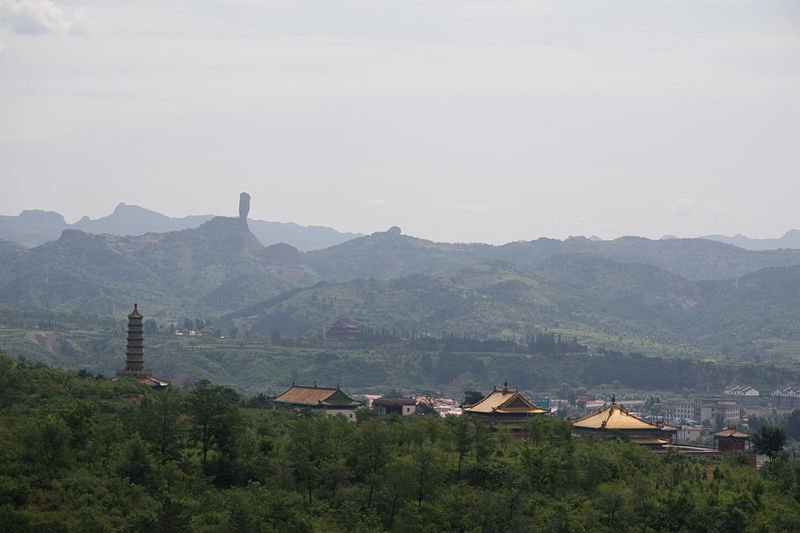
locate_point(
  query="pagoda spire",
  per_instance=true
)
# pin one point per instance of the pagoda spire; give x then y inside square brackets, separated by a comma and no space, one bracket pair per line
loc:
[134,354]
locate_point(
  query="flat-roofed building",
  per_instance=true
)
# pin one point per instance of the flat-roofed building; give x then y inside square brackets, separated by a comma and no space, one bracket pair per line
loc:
[679,412]
[395,406]
[726,411]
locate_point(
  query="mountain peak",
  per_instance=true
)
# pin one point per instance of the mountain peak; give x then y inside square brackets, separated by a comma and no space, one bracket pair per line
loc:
[38,216]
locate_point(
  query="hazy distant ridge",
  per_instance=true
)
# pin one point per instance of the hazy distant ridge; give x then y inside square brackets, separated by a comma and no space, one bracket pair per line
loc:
[34,227]
[790,239]
[387,255]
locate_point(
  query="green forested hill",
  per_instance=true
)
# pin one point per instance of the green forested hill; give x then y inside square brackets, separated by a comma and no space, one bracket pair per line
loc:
[390,254]
[582,294]
[217,267]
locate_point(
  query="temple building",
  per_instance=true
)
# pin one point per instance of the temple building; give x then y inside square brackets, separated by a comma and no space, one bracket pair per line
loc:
[395,406]
[613,421]
[134,355]
[342,333]
[732,440]
[330,401]
[506,408]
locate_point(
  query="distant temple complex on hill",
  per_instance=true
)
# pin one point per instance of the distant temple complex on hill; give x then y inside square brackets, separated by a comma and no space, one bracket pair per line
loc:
[134,355]
[342,333]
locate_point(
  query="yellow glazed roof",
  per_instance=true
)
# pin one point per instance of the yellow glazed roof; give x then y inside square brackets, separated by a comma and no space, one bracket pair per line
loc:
[505,401]
[305,395]
[614,417]
[732,432]
[314,396]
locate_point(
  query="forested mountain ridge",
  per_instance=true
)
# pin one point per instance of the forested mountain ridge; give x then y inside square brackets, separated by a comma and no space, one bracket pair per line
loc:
[390,254]
[572,293]
[167,273]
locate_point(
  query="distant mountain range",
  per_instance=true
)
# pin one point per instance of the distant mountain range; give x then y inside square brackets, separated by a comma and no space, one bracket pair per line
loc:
[35,227]
[790,239]
[688,294]
[673,295]
[390,254]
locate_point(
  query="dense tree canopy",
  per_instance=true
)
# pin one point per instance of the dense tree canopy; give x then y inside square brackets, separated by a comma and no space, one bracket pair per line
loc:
[85,454]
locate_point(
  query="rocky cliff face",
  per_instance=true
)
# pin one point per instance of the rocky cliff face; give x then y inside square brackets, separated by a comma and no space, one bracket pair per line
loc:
[244,207]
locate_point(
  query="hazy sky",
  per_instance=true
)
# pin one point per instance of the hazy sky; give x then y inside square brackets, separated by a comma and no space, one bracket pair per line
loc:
[457,120]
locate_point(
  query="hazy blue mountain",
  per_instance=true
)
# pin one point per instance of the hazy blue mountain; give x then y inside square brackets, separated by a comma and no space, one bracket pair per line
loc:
[32,228]
[304,238]
[134,220]
[790,239]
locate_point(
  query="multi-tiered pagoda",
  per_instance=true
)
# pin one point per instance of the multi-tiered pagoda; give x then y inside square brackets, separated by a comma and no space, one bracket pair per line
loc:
[134,355]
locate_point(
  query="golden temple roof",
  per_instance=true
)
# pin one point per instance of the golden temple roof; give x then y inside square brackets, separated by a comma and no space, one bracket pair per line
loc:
[315,396]
[613,417]
[505,401]
[731,433]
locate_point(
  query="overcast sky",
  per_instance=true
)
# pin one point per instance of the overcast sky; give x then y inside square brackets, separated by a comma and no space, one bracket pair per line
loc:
[457,120]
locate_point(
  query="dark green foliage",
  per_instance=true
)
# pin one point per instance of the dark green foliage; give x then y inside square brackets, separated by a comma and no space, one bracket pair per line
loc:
[82,454]
[793,425]
[769,440]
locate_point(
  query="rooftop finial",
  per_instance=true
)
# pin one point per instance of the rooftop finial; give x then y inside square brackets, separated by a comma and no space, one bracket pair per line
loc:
[613,399]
